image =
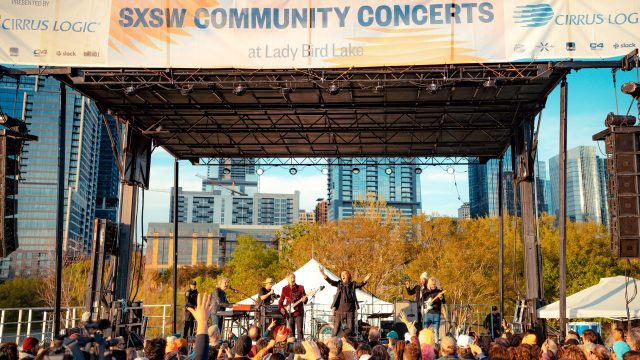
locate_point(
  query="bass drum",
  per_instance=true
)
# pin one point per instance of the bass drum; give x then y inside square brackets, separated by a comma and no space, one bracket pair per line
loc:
[324,333]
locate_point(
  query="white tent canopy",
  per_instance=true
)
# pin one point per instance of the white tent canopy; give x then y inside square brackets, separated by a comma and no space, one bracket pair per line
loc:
[604,300]
[309,277]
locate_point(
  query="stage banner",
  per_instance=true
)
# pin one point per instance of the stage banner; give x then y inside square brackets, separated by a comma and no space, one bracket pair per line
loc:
[285,34]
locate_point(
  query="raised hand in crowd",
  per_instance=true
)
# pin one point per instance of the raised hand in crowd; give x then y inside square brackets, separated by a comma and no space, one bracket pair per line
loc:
[311,351]
[411,325]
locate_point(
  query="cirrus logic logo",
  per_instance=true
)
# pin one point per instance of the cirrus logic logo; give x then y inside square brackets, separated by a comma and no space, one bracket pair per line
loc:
[533,15]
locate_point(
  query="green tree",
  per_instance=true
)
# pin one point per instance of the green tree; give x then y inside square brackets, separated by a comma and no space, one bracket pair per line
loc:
[250,263]
[20,292]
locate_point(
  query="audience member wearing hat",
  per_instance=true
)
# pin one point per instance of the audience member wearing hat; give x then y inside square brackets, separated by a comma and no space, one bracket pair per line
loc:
[620,348]
[448,348]
[281,333]
[29,348]
[464,347]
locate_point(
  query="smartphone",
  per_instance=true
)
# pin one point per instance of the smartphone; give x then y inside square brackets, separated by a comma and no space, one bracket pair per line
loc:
[295,347]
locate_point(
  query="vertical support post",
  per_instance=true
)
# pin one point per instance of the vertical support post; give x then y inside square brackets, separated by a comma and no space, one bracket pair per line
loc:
[44,325]
[164,318]
[562,221]
[501,236]
[62,130]
[126,241]
[175,245]
[526,173]
[1,324]
[29,319]
[19,326]
[73,318]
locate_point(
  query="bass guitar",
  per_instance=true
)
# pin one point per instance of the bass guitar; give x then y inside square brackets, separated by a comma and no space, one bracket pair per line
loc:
[428,304]
[290,308]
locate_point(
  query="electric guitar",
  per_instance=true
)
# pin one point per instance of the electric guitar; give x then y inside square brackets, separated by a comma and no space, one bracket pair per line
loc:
[428,304]
[290,308]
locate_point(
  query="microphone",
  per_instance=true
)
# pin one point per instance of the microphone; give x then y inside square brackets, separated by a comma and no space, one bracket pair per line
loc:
[233,289]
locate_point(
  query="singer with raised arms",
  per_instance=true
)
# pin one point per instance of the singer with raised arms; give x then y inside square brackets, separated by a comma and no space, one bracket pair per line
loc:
[219,302]
[345,302]
[291,305]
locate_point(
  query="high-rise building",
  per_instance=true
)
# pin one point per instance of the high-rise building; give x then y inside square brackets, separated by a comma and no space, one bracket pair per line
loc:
[321,211]
[350,181]
[36,100]
[586,184]
[214,207]
[307,217]
[237,174]
[483,187]
[464,211]
[108,175]
[603,181]
[541,182]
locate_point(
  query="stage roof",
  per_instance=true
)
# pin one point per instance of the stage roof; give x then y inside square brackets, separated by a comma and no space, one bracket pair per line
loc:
[426,111]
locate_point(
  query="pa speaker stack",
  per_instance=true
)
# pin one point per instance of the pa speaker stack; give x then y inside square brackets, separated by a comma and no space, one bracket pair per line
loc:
[622,141]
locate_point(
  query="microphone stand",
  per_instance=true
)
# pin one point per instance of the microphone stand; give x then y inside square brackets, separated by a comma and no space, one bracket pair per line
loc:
[246,315]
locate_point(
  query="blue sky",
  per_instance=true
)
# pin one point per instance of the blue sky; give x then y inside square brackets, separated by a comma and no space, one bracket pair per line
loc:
[591,97]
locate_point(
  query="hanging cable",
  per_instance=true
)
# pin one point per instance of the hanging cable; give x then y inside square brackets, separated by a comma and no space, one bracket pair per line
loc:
[141,245]
[615,88]
[628,300]
[455,182]
[135,259]
[515,231]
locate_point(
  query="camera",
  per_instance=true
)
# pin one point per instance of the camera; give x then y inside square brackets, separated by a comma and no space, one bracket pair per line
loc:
[114,341]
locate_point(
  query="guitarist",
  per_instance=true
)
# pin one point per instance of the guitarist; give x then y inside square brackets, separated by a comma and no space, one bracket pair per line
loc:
[419,291]
[433,302]
[345,302]
[293,293]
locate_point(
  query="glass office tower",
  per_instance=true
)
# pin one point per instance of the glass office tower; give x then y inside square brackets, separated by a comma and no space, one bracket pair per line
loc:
[36,100]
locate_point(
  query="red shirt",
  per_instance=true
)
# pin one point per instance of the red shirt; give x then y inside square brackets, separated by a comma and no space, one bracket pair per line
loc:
[289,296]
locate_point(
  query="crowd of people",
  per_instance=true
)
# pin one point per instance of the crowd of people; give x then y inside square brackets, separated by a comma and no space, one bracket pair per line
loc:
[276,343]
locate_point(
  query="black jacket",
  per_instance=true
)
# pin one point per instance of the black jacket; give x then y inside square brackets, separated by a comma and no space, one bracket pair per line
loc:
[419,291]
[348,290]
[191,298]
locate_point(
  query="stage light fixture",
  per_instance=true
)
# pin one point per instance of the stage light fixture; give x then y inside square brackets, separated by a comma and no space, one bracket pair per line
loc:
[130,90]
[433,88]
[286,90]
[489,83]
[259,171]
[186,90]
[240,90]
[355,171]
[450,170]
[325,171]
[226,171]
[293,171]
[388,171]
[418,170]
[378,89]
[334,89]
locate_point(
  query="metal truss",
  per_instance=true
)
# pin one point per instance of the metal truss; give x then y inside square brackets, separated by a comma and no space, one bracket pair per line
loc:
[324,162]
